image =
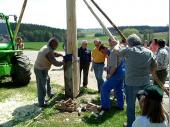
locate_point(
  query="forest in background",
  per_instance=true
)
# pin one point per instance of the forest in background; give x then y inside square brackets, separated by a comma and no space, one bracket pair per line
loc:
[40,33]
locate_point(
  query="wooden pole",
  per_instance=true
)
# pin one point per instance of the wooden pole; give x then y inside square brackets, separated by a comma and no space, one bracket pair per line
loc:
[101,23]
[71,71]
[114,26]
[19,20]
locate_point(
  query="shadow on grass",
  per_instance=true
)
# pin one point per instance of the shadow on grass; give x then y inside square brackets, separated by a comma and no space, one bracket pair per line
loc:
[23,114]
[84,90]
[92,120]
[10,85]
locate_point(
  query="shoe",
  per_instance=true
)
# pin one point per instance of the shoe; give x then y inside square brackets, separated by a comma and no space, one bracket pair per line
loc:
[44,105]
[51,96]
[124,124]
[84,86]
[104,109]
[118,108]
[101,113]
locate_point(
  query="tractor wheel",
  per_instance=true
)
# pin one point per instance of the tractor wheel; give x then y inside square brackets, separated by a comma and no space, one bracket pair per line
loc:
[21,70]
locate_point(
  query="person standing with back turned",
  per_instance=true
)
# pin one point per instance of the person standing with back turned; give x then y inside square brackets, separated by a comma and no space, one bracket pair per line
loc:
[140,61]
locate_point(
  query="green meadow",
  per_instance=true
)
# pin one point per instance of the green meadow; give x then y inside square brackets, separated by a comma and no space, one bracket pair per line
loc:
[89,38]
[38,45]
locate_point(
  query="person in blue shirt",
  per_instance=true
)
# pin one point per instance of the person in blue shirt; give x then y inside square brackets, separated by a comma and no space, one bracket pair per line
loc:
[85,58]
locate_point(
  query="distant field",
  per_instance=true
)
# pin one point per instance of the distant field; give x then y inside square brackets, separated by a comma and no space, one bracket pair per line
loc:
[163,35]
[90,39]
[38,45]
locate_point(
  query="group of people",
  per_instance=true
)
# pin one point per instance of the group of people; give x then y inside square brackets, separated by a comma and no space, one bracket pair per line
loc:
[128,69]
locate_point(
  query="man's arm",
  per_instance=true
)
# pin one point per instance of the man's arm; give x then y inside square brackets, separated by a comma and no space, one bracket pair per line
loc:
[51,57]
[92,57]
[113,61]
[56,54]
[112,71]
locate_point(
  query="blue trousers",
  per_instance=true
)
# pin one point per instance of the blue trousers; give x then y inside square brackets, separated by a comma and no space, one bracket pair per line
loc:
[98,71]
[131,90]
[43,85]
[116,84]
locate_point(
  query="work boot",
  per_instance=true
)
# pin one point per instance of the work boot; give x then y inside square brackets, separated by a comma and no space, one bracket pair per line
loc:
[51,95]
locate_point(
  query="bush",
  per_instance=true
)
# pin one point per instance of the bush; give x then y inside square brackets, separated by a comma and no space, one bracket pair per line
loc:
[81,35]
[99,34]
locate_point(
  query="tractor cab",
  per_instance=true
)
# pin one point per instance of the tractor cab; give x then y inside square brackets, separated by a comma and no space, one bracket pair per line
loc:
[13,63]
[6,35]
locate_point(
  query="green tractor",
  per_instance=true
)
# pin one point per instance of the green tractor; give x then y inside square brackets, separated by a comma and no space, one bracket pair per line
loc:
[12,61]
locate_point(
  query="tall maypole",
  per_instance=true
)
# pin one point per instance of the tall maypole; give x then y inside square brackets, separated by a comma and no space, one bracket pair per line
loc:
[71,71]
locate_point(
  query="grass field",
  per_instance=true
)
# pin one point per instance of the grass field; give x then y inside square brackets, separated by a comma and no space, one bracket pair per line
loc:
[38,45]
[90,39]
[30,115]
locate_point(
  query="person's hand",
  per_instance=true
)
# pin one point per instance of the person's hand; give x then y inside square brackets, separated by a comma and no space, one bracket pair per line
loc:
[108,76]
[105,69]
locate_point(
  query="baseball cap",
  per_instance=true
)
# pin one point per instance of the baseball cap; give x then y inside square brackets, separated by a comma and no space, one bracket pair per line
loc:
[153,92]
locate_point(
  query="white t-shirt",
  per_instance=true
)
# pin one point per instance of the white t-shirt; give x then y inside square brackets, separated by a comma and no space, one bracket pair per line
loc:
[143,121]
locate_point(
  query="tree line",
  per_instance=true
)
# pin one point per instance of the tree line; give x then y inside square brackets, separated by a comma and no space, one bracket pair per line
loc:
[41,33]
[143,29]
[36,33]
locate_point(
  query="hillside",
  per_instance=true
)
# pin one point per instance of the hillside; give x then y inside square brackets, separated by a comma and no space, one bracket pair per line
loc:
[34,33]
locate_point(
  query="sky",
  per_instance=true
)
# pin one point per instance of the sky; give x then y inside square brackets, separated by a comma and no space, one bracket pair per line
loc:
[122,12]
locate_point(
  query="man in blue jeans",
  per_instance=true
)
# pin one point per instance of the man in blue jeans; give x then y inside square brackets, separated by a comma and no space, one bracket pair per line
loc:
[140,62]
[115,76]
[98,59]
[45,58]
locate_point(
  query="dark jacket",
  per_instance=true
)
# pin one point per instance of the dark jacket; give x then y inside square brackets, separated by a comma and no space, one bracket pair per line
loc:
[84,54]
